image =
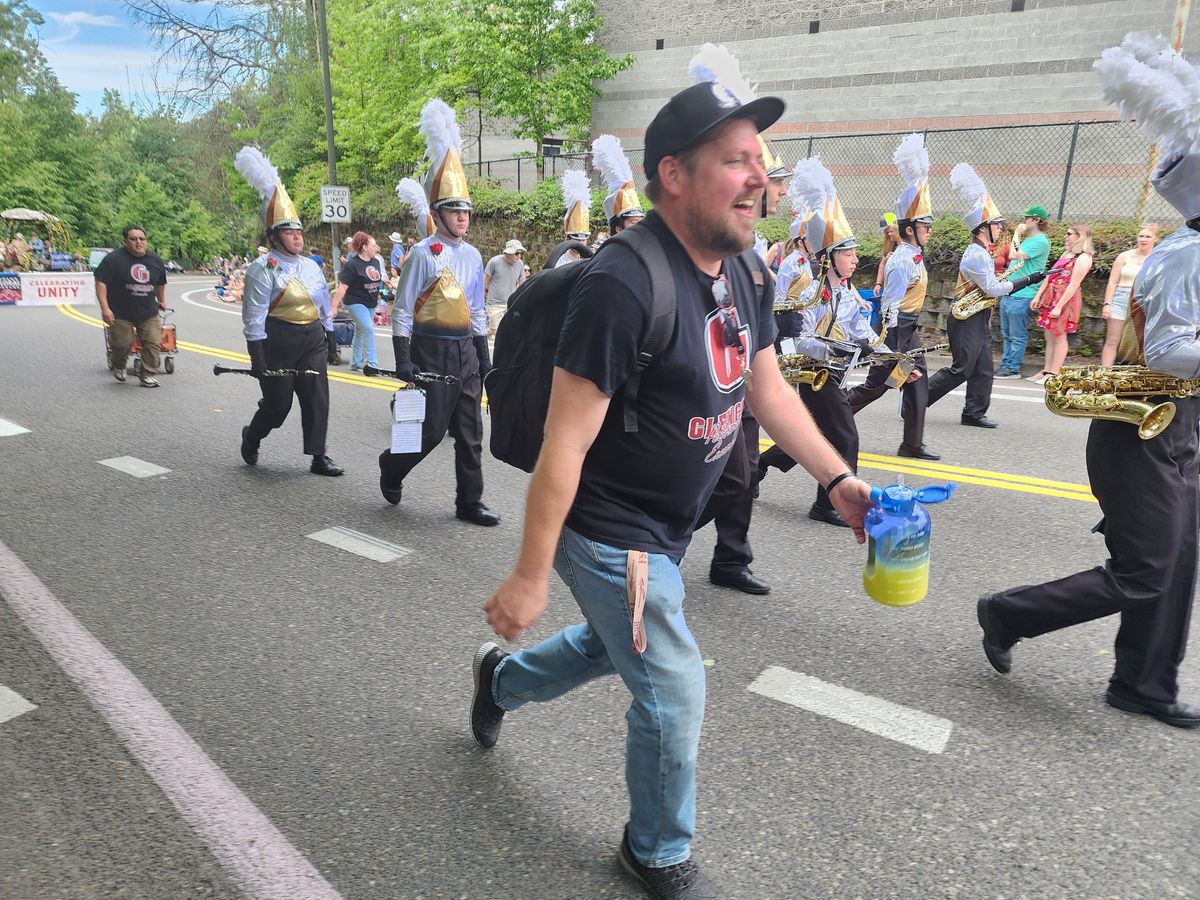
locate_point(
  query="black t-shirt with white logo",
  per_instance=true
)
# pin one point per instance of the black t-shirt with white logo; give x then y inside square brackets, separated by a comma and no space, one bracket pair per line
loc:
[132,282]
[362,280]
[645,490]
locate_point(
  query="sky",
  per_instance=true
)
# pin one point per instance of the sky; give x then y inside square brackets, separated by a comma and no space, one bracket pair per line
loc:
[92,46]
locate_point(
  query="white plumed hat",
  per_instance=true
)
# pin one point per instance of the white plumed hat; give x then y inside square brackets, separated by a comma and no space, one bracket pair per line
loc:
[277,209]
[622,200]
[912,161]
[1150,82]
[446,180]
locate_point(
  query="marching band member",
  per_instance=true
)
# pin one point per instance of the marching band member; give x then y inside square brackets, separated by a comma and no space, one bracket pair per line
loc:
[971,339]
[622,206]
[904,284]
[439,324]
[831,312]
[577,198]
[287,318]
[1148,489]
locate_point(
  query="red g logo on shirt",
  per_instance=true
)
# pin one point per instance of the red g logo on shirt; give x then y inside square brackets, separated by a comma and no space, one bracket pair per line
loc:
[372,273]
[725,364]
[139,273]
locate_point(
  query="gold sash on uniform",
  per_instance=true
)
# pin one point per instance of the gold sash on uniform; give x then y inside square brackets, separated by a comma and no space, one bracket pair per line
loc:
[442,307]
[913,300]
[294,304]
[799,284]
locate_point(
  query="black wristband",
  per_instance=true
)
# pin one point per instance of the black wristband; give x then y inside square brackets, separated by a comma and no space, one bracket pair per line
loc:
[836,480]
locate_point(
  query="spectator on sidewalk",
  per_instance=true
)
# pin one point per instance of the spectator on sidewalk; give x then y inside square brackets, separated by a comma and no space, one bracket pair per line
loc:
[396,260]
[1060,298]
[358,287]
[1120,285]
[131,287]
[502,275]
[1029,258]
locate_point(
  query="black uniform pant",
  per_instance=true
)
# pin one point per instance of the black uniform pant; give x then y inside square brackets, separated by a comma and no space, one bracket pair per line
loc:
[914,396]
[300,347]
[1148,493]
[452,408]
[732,503]
[830,409]
[971,361]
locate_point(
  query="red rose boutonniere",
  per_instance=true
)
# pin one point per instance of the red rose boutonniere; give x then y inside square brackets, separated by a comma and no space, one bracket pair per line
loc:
[919,258]
[801,261]
[272,262]
[825,295]
[435,248]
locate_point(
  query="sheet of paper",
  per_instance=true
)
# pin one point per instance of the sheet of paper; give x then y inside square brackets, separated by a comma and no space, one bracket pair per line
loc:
[406,437]
[787,346]
[410,406]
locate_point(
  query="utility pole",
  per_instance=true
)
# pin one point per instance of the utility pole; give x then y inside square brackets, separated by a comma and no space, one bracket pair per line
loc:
[331,151]
[1183,9]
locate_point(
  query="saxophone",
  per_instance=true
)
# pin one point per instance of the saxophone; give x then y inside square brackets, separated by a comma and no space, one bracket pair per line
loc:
[1119,394]
[797,368]
[969,299]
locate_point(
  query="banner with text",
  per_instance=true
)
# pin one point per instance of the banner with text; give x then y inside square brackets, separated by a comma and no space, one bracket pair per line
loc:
[46,288]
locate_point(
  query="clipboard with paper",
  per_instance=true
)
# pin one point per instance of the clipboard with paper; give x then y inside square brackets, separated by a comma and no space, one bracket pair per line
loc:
[408,415]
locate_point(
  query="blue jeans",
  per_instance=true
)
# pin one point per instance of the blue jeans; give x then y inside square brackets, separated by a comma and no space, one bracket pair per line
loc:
[667,683]
[363,348]
[1014,326]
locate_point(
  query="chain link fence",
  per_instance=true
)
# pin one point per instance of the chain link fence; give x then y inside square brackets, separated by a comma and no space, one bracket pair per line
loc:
[1088,171]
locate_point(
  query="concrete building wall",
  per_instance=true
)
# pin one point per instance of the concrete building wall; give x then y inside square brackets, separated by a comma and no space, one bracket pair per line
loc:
[879,65]
[891,66]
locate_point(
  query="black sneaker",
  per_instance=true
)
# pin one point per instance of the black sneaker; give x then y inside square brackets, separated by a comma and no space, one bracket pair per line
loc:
[684,881]
[486,716]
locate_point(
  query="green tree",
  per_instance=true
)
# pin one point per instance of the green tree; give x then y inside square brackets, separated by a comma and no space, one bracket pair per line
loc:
[536,62]
[145,203]
[22,65]
[200,237]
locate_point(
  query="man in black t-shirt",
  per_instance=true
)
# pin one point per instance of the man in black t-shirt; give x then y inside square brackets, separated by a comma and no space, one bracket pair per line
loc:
[613,510]
[131,285]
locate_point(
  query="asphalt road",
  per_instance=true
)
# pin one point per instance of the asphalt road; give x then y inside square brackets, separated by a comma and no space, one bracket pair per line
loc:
[332,690]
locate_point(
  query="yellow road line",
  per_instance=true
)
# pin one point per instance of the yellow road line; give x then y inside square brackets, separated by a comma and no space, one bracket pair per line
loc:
[379,383]
[1065,490]
[939,468]
[984,477]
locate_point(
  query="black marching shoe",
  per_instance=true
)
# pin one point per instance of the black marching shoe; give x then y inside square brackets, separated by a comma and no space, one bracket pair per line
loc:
[323,465]
[391,494]
[828,515]
[486,716]
[745,581]
[980,422]
[249,448]
[478,514]
[684,881]
[1181,715]
[921,452]
[997,641]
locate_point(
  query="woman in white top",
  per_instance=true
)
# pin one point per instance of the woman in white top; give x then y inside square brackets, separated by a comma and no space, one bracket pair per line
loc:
[1120,284]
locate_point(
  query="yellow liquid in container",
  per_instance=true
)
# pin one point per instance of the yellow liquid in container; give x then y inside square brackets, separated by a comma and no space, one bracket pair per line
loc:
[895,584]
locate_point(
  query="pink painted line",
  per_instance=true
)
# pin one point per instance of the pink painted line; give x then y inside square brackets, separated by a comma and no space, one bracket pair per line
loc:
[252,850]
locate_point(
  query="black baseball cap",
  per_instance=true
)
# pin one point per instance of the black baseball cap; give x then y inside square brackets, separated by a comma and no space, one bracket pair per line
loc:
[695,111]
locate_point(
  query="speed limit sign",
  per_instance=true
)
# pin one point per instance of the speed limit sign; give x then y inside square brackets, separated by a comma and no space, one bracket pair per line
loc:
[335,204]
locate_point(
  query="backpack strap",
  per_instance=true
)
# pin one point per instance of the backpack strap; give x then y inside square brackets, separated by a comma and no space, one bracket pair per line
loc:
[649,250]
[757,270]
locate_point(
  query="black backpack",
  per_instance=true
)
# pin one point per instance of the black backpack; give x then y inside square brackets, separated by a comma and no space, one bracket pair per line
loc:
[518,387]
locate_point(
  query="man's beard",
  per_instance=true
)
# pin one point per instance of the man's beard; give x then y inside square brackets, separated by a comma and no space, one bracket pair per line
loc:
[712,233]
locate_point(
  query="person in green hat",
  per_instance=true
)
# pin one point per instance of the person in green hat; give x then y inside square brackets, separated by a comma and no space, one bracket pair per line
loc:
[1031,257]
